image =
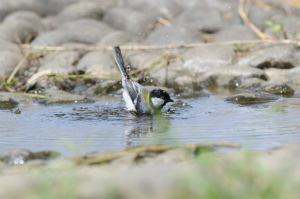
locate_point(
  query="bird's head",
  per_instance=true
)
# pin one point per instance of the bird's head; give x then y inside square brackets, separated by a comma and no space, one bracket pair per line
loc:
[159,98]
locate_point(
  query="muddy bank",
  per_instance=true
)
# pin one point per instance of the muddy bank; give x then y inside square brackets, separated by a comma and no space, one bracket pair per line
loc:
[174,173]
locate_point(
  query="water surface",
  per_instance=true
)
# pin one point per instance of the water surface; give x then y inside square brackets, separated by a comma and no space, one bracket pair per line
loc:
[106,126]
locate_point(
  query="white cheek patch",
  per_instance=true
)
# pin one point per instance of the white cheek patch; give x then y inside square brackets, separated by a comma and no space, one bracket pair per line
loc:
[157,102]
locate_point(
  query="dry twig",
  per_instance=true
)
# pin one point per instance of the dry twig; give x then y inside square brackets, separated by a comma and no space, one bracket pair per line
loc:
[12,75]
[248,22]
[164,21]
[159,47]
[148,149]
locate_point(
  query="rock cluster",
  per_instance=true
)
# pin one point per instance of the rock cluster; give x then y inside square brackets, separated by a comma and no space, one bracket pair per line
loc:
[78,24]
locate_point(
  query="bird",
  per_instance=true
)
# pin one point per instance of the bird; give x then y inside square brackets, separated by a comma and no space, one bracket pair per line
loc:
[137,98]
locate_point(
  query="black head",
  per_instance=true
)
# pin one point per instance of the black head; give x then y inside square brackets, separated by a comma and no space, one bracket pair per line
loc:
[159,98]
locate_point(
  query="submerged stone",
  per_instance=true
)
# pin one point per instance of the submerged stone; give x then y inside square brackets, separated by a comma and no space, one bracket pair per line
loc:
[251,98]
[259,85]
[15,157]
[11,100]
[7,103]
[180,104]
[277,89]
[20,156]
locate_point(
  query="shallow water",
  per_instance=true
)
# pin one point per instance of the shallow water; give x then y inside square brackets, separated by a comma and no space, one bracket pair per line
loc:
[106,126]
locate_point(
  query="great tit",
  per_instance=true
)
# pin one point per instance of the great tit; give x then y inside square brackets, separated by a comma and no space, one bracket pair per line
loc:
[137,98]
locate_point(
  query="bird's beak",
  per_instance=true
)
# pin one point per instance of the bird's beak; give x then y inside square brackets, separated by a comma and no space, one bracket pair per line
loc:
[170,100]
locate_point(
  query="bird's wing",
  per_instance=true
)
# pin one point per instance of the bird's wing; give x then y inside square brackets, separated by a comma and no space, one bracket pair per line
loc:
[136,93]
[131,88]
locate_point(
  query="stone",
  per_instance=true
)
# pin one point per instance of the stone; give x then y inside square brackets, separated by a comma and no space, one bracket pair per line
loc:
[259,85]
[9,46]
[286,27]
[92,9]
[115,38]
[258,16]
[284,158]
[81,9]
[98,64]
[62,57]
[251,98]
[167,9]
[246,83]
[20,25]
[7,7]
[9,61]
[205,57]
[106,5]
[222,73]
[134,22]
[77,46]
[24,15]
[53,7]
[276,74]
[57,96]
[282,57]
[203,18]
[102,87]
[277,89]
[16,185]
[53,68]
[88,31]
[183,80]
[228,10]
[172,156]
[236,33]
[57,63]
[291,27]
[52,38]
[21,157]
[36,163]
[140,59]
[223,76]
[293,75]
[174,34]
[44,155]
[171,75]
[296,10]
[4,11]
[125,162]
[15,157]
[7,103]
[16,97]
[60,61]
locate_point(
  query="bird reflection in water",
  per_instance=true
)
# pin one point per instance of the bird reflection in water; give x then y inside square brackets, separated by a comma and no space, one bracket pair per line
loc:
[137,126]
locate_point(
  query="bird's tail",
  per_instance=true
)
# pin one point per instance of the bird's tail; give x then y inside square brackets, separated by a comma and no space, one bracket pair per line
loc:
[120,62]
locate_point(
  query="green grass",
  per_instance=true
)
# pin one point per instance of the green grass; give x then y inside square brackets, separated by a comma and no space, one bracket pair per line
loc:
[211,176]
[241,177]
